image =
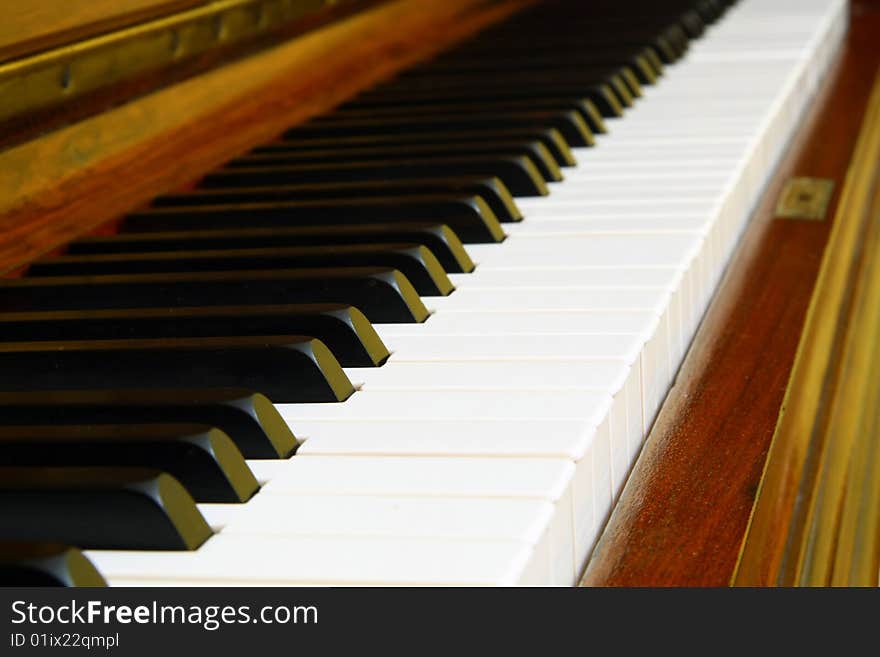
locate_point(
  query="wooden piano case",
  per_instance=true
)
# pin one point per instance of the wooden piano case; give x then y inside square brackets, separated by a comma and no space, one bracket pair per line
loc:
[684,514]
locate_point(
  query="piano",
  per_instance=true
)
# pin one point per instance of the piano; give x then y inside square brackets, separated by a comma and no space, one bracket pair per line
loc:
[378,294]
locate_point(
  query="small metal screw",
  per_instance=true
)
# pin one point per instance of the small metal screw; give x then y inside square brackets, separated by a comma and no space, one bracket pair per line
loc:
[66,77]
[218,27]
[175,42]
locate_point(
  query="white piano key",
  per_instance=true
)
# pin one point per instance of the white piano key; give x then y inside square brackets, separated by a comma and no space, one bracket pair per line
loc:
[534,324]
[608,377]
[596,453]
[656,150]
[512,346]
[655,174]
[605,376]
[370,404]
[526,521]
[563,277]
[651,355]
[592,250]
[377,516]
[546,479]
[577,210]
[524,299]
[562,439]
[517,437]
[303,560]
[591,224]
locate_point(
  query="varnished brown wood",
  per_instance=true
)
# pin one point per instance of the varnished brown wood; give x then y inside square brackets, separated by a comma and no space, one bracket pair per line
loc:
[35,25]
[681,518]
[812,523]
[62,185]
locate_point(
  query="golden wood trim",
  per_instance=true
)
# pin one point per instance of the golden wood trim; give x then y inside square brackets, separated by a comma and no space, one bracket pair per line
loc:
[856,553]
[64,73]
[42,24]
[809,524]
[70,181]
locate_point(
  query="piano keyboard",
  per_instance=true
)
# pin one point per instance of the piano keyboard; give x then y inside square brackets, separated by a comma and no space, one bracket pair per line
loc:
[491,394]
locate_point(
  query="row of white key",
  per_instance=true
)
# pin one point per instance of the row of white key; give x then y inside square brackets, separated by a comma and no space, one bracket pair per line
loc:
[490,447]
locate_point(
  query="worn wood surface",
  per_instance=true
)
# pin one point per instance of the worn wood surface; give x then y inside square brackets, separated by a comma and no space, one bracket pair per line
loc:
[33,25]
[681,518]
[65,183]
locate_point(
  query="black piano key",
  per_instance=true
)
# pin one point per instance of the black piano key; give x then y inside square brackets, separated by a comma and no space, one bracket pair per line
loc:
[519,174]
[711,10]
[535,151]
[250,420]
[602,63]
[382,295]
[569,123]
[670,45]
[630,81]
[551,139]
[469,217]
[416,262]
[401,105]
[491,190]
[343,329]
[612,40]
[601,95]
[542,54]
[439,238]
[441,208]
[204,460]
[637,60]
[692,23]
[471,73]
[34,563]
[653,58]
[621,79]
[667,37]
[99,508]
[284,368]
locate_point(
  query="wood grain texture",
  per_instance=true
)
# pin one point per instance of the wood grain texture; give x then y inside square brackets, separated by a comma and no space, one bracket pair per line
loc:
[36,25]
[809,524]
[681,518]
[62,185]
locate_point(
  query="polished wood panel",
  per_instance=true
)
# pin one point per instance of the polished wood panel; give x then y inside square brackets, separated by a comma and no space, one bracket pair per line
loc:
[40,24]
[64,184]
[815,520]
[682,516]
